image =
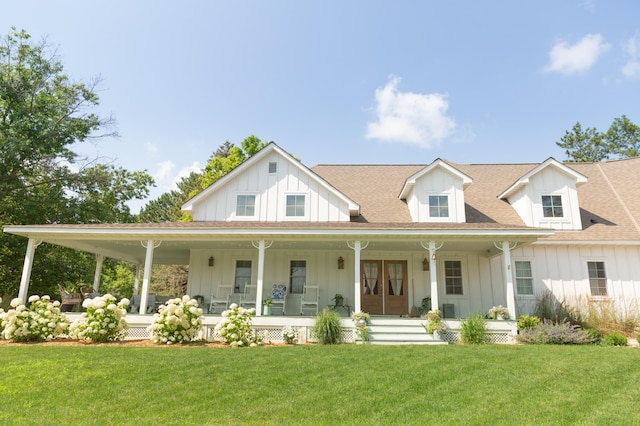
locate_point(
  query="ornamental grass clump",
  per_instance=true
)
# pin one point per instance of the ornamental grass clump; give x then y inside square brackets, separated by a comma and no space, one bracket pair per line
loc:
[41,321]
[328,327]
[235,327]
[473,330]
[177,321]
[103,322]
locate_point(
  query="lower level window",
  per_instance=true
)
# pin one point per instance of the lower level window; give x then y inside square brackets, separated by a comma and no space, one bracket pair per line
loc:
[453,276]
[524,278]
[297,276]
[597,278]
[243,275]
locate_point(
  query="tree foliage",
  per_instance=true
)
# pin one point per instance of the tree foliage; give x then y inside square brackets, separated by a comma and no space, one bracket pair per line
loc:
[622,140]
[43,116]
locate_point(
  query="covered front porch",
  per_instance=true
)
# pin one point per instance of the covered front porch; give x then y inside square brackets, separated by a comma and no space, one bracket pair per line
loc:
[376,269]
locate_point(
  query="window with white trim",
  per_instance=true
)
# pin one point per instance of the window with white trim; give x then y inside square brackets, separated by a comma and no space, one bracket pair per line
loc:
[453,276]
[552,206]
[295,206]
[438,206]
[245,205]
[297,276]
[242,275]
[524,278]
[597,278]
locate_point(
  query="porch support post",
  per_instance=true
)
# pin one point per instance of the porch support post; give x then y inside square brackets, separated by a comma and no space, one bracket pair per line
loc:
[357,302]
[148,262]
[136,280]
[26,268]
[96,276]
[508,277]
[261,245]
[260,282]
[432,247]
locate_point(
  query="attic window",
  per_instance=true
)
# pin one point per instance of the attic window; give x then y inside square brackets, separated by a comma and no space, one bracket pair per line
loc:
[273,167]
[438,206]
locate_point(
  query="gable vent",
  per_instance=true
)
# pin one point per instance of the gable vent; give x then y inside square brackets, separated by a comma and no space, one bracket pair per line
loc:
[273,167]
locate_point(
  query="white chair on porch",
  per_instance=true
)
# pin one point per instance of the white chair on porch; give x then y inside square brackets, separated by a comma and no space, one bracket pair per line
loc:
[279,297]
[310,298]
[248,298]
[220,298]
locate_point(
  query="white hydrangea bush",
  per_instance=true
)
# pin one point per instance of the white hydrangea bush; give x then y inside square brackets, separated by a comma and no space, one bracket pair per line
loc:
[41,321]
[235,327]
[104,320]
[177,321]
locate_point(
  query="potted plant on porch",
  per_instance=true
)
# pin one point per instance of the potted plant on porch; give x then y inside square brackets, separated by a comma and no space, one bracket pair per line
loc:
[338,299]
[499,312]
[435,325]
[266,306]
[361,319]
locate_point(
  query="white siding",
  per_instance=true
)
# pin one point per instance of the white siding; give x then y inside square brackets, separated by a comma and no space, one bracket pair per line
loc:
[271,191]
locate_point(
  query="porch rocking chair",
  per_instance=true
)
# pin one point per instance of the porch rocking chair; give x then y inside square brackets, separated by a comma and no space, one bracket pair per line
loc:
[88,292]
[248,298]
[309,299]
[221,298]
[69,299]
[279,297]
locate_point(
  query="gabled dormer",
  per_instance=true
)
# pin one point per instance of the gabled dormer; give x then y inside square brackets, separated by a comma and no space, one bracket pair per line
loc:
[271,186]
[547,197]
[436,193]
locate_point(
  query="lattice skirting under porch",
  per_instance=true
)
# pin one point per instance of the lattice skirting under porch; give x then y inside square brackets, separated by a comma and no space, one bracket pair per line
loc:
[498,337]
[274,334]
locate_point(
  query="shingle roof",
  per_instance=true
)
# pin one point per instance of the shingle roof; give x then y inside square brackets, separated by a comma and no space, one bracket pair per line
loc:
[609,201]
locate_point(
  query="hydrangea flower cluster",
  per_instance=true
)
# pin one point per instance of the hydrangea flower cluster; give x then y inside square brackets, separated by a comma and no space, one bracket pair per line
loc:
[235,327]
[177,321]
[41,321]
[104,320]
[290,335]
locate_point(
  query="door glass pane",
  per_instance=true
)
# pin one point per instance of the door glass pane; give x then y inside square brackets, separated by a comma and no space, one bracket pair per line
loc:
[370,278]
[297,276]
[395,279]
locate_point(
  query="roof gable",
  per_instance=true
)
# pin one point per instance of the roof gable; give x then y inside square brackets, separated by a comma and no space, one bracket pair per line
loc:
[191,205]
[438,163]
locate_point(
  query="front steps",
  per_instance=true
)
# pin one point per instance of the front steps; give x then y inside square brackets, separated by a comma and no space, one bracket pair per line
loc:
[399,331]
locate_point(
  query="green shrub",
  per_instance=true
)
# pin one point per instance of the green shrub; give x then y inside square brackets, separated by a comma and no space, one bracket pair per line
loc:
[328,327]
[525,321]
[548,307]
[550,333]
[615,339]
[474,329]
[597,336]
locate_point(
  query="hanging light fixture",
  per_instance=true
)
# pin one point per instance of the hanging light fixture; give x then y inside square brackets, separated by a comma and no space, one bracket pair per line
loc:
[425,264]
[340,263]
[211,261]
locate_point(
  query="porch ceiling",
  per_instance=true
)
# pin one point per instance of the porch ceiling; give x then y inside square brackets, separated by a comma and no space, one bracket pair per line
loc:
[175,247]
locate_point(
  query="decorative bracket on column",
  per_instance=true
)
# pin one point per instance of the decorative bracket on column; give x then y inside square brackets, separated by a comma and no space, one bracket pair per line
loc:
[145,244]
[500,247]
[363,245]
[256,244]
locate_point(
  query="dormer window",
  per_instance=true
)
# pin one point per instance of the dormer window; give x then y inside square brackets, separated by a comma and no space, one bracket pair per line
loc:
[438,206]
[552,206]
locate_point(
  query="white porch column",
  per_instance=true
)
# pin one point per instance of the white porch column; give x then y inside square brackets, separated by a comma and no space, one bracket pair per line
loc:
[261,245]
[96,276]
[146,279]
[136,281]
[508,278]
[432,247]
[357,247]
[26,268]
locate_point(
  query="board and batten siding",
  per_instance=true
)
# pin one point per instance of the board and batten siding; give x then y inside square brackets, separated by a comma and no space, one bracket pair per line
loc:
[437,182]
[562,269]
[271,190]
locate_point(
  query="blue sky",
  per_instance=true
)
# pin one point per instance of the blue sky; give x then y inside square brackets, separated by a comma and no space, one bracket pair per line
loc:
[344,81]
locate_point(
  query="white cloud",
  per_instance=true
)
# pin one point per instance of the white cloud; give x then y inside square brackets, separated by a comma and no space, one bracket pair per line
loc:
[413,118]
[572,59]
[164,171]
[632,67]
[184,172]
[167,180]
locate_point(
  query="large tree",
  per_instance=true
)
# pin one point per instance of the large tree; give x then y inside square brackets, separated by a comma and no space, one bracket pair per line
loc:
[622,140]
[43,116]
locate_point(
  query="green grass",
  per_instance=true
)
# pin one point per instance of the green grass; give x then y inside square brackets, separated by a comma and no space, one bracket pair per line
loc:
[336,384]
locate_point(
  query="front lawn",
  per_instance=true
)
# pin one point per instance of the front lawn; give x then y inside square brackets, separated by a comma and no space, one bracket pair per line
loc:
[310,384]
